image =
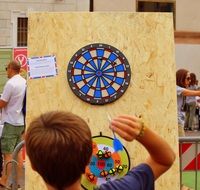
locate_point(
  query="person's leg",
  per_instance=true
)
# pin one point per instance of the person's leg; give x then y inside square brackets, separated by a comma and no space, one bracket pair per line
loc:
[18,175]
[187,115]
[192,109]
[11,136]
[6,169]
[7,146]
[19,167]
[19,159]
[199,117]
[1,160]
[181,131]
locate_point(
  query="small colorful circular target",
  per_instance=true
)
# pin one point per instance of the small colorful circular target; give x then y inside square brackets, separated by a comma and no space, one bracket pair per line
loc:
[98,73]
[105,164]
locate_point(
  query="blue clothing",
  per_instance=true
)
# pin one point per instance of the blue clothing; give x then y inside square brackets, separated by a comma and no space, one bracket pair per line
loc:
[139,178]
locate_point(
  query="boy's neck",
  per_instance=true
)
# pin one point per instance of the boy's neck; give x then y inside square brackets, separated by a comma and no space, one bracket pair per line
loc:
[74,186]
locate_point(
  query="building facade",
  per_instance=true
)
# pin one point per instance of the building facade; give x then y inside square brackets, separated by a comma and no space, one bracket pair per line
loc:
[14,23]
[13,14]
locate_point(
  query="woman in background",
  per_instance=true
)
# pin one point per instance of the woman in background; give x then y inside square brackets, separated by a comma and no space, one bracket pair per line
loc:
[183,81]
[191,103]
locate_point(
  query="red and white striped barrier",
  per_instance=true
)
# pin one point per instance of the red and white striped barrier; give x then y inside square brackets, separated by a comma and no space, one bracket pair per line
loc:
[189,156]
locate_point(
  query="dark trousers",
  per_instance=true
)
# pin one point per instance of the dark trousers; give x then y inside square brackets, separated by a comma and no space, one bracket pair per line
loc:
[198,114]
[199,117]
[1,161]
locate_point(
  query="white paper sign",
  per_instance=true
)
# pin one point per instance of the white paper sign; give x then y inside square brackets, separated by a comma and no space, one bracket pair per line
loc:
[41,67]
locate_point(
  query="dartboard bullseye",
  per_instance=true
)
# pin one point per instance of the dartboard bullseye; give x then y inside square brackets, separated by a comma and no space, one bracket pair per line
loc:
[98,73]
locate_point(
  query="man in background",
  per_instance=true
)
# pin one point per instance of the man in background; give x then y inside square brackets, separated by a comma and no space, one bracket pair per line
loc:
[11,103]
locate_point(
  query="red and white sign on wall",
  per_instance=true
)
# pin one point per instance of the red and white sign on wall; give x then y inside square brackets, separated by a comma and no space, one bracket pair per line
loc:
[20,54]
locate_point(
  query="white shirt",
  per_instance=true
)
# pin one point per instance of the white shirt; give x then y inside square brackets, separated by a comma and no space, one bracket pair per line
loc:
[13,93]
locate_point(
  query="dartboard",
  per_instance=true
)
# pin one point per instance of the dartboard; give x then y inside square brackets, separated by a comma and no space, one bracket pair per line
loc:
[98,73]
[105,164]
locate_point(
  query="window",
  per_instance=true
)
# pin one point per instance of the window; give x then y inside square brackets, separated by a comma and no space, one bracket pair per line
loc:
[158,6]
[91,5]
[22,29]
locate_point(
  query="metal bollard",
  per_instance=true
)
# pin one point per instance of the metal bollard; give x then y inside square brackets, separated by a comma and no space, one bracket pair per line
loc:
[14,165]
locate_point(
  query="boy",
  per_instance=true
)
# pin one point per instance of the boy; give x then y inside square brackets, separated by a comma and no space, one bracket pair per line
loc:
[59,147]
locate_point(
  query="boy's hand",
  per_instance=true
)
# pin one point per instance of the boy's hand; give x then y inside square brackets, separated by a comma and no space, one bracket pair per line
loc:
[127,127]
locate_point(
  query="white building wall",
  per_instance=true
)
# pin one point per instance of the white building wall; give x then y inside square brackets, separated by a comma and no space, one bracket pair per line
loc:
[187,19]
[188,57]
[187,11]
[5,22]
[188,15]
[11,9]
[115,5]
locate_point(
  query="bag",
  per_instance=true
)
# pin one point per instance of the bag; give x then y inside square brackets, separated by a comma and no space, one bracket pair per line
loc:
[184,106]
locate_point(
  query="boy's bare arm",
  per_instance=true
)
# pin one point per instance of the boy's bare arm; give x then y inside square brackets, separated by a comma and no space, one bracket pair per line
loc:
[161,155]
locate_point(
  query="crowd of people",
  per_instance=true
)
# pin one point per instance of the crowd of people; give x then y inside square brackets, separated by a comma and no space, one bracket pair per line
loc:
[62,170]
[188,103]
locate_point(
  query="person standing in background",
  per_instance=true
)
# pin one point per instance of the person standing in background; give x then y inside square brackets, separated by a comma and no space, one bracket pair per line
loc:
[1,158]
[191,105]
[11,103]
[197,84]
[182,83]
[198,106]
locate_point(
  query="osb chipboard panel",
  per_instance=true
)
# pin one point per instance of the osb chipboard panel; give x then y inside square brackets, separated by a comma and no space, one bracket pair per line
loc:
[147,41]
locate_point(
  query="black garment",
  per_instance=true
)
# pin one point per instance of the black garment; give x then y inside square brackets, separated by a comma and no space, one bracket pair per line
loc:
[198,114]
[24,107]
[24,111]
[1,161]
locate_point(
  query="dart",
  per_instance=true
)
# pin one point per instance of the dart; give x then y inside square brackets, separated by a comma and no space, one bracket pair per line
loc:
[117,145]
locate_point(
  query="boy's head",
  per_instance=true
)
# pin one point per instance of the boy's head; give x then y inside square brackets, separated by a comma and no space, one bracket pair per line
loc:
[59,147]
